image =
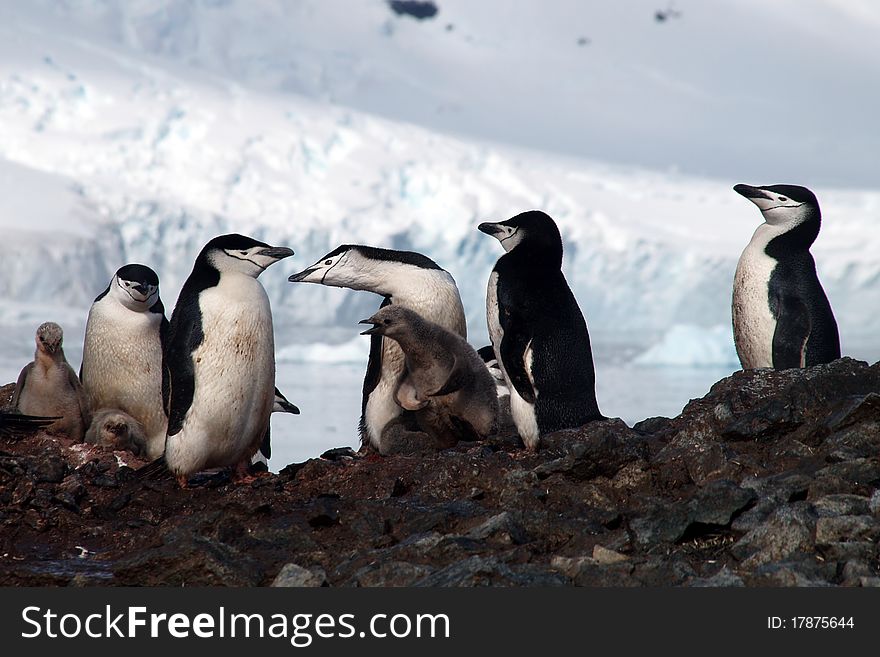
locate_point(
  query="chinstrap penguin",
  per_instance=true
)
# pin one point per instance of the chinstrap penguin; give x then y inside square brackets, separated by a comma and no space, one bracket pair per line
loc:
[122,351]
[403,278]
[781,316]
[219,367]
[49,387]
[537,330]
[445,382]
[117,430]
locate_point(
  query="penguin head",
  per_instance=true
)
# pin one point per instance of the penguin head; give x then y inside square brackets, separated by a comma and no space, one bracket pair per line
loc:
[136,287]
[391,321]
[238,254]
[781,204]
[49,338]
[366,268]
[534,228]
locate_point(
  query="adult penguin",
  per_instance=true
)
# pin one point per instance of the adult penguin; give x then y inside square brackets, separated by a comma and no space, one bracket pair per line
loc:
[537,330]
[781,316]
[122,351]
[403,278]
[219,369]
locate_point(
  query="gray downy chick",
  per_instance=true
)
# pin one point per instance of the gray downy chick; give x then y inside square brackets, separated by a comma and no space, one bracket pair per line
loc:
[118,431]
[445,382]
[49,387]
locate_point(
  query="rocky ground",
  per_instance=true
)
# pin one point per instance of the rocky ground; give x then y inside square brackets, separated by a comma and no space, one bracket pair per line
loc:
[771,479]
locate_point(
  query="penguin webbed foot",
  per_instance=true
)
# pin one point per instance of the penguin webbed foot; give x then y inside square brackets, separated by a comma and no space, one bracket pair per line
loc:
[241,473]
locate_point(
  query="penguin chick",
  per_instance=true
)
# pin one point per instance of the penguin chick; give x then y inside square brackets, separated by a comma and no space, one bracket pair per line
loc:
[219,364]
[403,278]
[122,351]
[445,382]
[117,430]
[781,316]
[49,387]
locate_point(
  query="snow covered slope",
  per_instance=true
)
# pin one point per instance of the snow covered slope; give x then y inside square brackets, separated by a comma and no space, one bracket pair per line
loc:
[728,88]
[136,131]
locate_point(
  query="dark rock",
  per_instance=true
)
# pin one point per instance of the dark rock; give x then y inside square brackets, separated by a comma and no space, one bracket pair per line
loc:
[653,425]
[770,479]
[292,575]
[392,573]
[339,454]
[847,528]
[842,505]
[119,502]
[49,467]
[774,419]
[694,455]
[187,559]
[712,508]
[490,571]
[723,578]
[787,531]
[805,571]
[502,527]
[599,448]
[854,410]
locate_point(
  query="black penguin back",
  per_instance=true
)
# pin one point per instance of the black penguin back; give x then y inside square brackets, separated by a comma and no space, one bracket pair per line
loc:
[183,336]
[532,290]
[794,280]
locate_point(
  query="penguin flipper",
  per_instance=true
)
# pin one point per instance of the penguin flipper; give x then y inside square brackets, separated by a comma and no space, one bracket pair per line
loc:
[513,349]
[179,387]
[281,404]
[791,333]
[20,384]
[85,411]
[458,376]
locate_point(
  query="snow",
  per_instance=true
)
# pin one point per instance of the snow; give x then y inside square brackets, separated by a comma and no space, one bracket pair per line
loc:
[136,131]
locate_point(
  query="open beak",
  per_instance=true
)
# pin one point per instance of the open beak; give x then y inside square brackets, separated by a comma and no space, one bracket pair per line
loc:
[376,330]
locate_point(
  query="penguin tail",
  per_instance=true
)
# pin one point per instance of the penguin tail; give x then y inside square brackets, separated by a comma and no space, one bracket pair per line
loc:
[153,471]
[15,425]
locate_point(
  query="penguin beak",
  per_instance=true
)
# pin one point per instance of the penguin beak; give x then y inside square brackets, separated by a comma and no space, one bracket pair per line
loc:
[490,229]
[277,252]
[142,289]
[304,274]
[750,192]
[376,330]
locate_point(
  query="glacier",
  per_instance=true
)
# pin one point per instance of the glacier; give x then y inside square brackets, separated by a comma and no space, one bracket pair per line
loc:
[136,131]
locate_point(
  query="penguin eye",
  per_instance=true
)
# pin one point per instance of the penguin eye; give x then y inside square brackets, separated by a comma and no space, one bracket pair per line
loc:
[783,199]
[244,253]
[328,261]
[387,321]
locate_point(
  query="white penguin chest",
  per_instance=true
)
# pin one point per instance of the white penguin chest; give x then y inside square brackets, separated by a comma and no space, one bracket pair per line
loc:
[122,357]
[234,371]
[492,319]
[753,322]
[238,347]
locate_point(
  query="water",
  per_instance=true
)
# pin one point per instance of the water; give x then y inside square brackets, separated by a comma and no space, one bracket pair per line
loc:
[329,398]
